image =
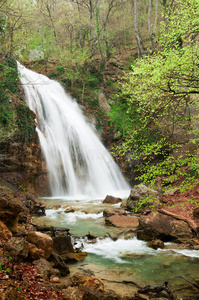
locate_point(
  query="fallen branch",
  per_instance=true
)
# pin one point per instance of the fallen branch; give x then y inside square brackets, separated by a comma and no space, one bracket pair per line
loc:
[194,284]
[190,222]
[123,282]
[157,289]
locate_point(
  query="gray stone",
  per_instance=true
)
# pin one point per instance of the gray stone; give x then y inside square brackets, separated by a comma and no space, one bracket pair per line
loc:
[17,248]
[159,226]
[141,198]
[112,200]
[113,211]
[122,221]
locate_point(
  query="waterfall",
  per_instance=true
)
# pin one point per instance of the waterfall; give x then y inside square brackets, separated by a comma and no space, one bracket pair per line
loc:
[78,164]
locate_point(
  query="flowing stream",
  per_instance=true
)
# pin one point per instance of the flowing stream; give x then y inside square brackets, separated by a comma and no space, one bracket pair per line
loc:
[81,174]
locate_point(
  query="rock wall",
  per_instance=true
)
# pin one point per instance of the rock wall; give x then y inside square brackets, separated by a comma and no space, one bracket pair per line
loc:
[22,166]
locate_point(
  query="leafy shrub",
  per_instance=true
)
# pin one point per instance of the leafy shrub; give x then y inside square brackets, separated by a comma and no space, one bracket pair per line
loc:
[25,122]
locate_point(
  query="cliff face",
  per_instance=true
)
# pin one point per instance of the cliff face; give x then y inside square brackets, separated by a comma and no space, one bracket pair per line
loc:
[22,165]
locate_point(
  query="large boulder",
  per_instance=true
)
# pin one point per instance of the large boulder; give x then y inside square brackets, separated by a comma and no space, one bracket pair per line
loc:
[62,246]
[41,241]
[122,221]
[10,207]
[108,212]
[5,233]
[35,253]
[155,244]
[17,248]
[45,269]
[141,198]
[112,200]
[163,227]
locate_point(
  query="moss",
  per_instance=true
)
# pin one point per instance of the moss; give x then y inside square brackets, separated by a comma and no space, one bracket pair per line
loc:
[16,119]
[25,122]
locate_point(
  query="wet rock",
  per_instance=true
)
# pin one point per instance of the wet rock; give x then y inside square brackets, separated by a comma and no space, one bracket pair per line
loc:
[132,256]
[41,241]
[92,210]
[45,269]
[159,226]
[155,244]
[113,211]
[129,234]
[124,204]
[17,248]
[76,256]
[62,245]
[141,198]
[122,221]
[70,209]
[112,200]
[5,233]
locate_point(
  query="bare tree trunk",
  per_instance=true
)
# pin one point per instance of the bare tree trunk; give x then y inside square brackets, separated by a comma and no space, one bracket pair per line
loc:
[154,26]
[51,20]
[149,17]
[152,29]
[141,51]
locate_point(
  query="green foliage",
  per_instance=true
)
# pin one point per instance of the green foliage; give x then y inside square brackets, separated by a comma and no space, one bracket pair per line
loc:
[8,85]
[2,25]
[41,44]
[5,114]
[160,99]
[25,122]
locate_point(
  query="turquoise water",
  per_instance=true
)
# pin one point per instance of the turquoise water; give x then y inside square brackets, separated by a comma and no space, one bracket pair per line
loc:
[142,264]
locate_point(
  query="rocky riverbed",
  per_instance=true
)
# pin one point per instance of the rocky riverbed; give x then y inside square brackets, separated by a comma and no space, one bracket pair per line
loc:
[46,262]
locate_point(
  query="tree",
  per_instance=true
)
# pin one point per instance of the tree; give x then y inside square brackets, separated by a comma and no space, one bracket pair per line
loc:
[160,96]
[141,51]
[152,28]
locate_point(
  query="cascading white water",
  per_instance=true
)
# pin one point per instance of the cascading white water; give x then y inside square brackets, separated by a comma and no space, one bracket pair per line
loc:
[78,164]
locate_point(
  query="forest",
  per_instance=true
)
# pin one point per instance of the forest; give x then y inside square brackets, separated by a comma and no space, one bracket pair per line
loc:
[133,69]
[152,48]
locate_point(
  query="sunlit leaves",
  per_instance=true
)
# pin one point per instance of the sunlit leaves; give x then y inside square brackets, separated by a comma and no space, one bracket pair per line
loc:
[162,89]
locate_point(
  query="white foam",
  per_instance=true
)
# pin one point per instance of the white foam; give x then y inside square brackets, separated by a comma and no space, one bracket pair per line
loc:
[71,217]
[114,250]
[188,253]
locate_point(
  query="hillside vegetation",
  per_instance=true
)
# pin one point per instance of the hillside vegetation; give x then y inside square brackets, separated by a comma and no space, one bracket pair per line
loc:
[143,56]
